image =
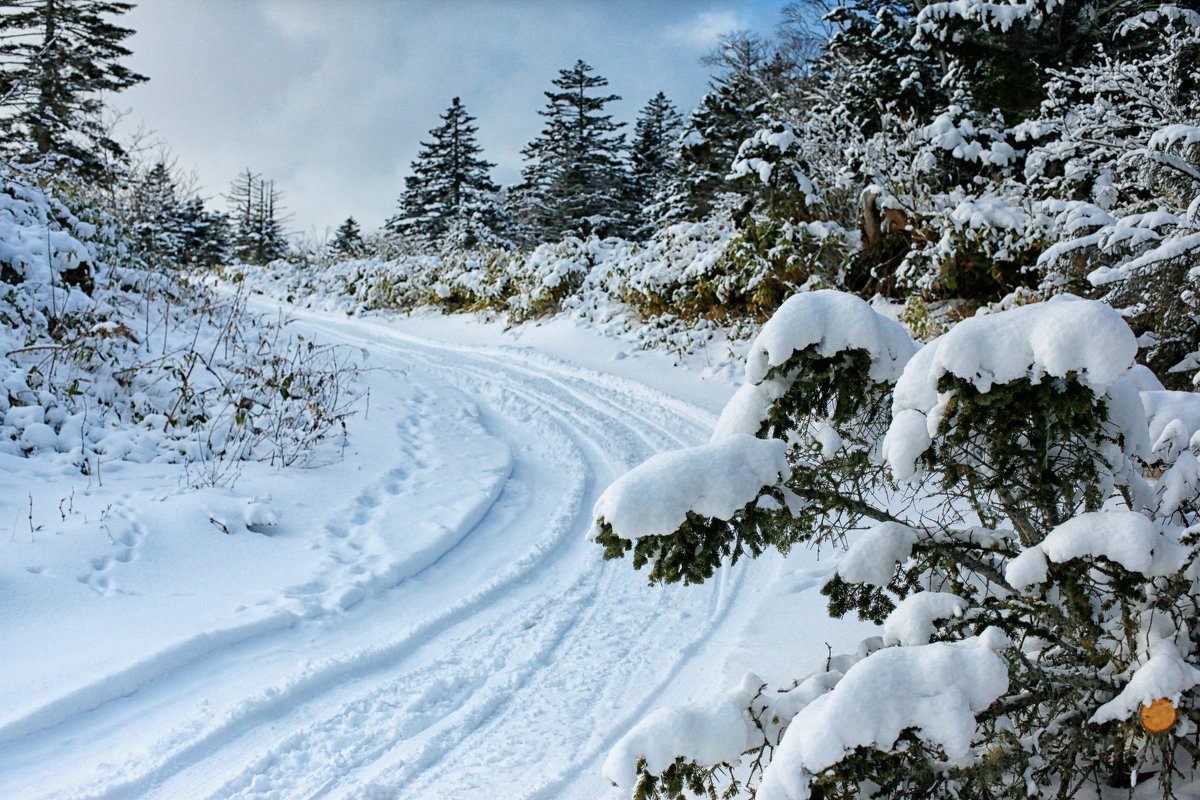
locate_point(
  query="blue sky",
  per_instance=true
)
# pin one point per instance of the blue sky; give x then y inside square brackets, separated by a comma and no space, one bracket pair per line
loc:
[330,97]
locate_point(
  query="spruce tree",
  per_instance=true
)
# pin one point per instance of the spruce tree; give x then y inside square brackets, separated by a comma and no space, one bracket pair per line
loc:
[58,56]
[450,179]
[652,157]
[258,236]
[348,239]
[726,117]
[576,182]
[170,225]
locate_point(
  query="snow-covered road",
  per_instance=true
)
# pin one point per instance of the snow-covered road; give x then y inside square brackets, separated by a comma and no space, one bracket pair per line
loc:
[426,621]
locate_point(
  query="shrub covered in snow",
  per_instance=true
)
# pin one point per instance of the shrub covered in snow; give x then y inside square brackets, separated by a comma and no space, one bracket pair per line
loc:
[101,359]
[1029,498]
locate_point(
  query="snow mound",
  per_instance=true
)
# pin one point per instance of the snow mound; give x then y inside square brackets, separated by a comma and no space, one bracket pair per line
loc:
[1123,537]
[1060,337]
[834,322]
[1178,485]
[911,623]
[873,556]
[712,480]
[1164,675]
[935,688]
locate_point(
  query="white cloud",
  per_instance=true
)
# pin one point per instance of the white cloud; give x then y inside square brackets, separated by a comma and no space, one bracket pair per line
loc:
[705,29]
[330,98]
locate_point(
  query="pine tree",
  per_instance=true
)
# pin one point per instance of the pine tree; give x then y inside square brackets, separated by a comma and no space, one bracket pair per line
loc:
[348,239]
[450,180]
[204,235]
[576,182]
[170,225]
[1030,554]
[58,56]
[874,66]
[258,236]
[715,130]
[652,157]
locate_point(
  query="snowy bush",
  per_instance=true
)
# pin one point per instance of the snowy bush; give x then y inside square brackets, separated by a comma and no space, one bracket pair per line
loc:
[1018,500]
[102,360]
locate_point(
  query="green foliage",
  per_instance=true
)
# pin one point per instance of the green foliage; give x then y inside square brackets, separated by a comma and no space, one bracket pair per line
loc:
[819,501]
[685,779]
[576,183]
[59,57]
[1038,467]
[1009,464]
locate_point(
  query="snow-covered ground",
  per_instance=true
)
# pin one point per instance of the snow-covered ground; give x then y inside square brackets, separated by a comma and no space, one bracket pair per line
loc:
[424,618]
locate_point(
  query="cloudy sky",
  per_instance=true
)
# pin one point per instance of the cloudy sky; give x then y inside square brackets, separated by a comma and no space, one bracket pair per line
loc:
[330,97]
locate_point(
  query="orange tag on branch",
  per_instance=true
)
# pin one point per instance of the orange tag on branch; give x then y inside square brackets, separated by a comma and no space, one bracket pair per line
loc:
[1158,716]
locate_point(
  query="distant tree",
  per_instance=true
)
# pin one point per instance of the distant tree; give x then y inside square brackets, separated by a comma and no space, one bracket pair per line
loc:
[205,238]
[257,219]
[726,117]
[170,225]
[56,57]
[576,182]
[450,180]
[652,157]
[348,239]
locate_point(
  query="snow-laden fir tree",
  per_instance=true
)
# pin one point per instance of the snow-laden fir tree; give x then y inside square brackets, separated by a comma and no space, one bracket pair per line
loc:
[168,223]
[347,241]
[748,71]
[576,182]
[1021,504]
[56,58]
[450,182]
[652,158]
[257,218]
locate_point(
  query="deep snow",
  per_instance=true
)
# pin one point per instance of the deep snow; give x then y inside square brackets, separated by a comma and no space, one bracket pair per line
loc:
[424,618]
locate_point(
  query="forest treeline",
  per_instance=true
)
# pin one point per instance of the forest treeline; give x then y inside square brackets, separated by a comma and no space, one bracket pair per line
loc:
[947,159]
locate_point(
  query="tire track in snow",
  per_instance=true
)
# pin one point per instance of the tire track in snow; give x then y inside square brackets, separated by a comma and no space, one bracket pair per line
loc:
[311,730]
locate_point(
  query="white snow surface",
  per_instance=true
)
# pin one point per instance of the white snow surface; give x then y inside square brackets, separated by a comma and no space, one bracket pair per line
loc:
[872,557]
[717,730]
[423,618]
[833,321]
[1174,422]
[912,621]
[712,480]
[1060,336]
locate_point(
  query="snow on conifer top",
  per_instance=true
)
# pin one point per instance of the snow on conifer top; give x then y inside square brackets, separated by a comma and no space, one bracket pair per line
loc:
[835,322]
[1123,537]
[934,688]
[712,480]
[1062,336]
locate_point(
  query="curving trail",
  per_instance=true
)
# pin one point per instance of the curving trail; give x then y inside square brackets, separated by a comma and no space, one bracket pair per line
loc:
[457,635]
